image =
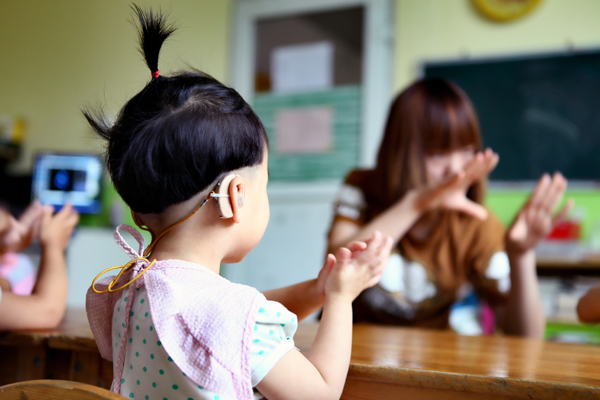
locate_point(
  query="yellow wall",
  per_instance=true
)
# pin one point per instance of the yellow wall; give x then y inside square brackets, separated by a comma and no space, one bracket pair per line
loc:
[57,56]
[449,29]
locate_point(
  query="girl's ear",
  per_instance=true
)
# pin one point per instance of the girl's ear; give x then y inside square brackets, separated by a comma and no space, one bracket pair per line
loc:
[237,193]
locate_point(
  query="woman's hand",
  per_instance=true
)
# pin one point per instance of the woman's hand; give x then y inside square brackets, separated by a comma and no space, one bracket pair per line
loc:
[451,194]
[398,219]
[535,220]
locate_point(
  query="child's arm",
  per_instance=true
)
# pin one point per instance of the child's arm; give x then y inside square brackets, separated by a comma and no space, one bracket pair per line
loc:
[45,307]
[400,217]
[588,308]
[306,297]
[523,313]
[322,374]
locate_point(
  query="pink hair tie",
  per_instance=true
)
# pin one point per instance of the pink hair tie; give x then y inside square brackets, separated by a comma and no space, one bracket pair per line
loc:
[156,74]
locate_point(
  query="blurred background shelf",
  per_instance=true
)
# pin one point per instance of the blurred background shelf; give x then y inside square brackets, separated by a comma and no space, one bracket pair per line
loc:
[564,268]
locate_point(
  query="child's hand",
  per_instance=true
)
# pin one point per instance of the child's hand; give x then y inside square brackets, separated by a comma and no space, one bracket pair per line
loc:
[452,193]
[356,268]
[16,234]
[330,262]
[56,230]
[535,221]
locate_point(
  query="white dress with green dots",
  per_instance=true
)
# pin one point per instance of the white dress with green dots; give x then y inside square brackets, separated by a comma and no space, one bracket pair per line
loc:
[149,373]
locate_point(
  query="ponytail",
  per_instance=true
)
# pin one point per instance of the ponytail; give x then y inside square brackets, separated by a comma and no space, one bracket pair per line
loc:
[153,32]
[179,133]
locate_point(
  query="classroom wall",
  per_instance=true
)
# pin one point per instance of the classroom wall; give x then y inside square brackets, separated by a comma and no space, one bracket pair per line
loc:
[438,29]
[58,56]
[442,30]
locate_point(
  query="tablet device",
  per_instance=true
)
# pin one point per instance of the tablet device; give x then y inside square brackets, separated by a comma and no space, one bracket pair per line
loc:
[58,178]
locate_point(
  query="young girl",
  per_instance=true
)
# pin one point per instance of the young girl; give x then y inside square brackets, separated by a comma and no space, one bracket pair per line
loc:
[426,193]
[189,156]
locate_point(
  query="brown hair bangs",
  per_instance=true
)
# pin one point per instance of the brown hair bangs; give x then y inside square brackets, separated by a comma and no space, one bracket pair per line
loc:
[431,115]
[449,121]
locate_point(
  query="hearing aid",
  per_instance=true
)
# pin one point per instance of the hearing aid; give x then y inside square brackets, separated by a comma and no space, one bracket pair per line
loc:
[221,196]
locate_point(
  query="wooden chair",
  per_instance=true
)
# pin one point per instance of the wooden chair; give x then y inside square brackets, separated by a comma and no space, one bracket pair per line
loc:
[55,390]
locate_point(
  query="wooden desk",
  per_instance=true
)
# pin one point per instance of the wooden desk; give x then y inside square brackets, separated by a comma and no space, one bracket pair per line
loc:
[68,353]
[387,363]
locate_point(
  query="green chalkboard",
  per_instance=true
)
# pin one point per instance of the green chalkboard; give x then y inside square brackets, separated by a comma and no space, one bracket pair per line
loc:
[540,113]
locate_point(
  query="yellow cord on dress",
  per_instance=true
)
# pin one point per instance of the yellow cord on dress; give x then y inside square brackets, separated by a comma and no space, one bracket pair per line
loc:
[124,268]
[129,265]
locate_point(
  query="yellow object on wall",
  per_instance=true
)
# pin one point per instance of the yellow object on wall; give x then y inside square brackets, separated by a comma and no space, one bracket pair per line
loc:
[505,10]
[11,129]
[445,30]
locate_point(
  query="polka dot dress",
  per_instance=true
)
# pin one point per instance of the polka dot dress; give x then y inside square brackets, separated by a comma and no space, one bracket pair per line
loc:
[149,372]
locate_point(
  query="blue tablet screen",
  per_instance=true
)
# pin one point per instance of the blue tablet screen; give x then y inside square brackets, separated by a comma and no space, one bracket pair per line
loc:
[58,178]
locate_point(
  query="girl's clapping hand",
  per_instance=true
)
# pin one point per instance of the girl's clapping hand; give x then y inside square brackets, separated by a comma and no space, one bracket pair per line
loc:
[356,267]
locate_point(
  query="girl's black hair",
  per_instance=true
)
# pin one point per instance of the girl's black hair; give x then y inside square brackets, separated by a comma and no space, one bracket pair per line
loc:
[179,134]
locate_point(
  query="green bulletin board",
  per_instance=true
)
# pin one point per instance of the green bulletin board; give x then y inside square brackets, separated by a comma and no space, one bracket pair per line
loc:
[345,104]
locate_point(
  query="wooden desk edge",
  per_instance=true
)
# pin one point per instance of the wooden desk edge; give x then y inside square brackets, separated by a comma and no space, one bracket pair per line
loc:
[43,388]
[470,383]
[73,343]
[24,338]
